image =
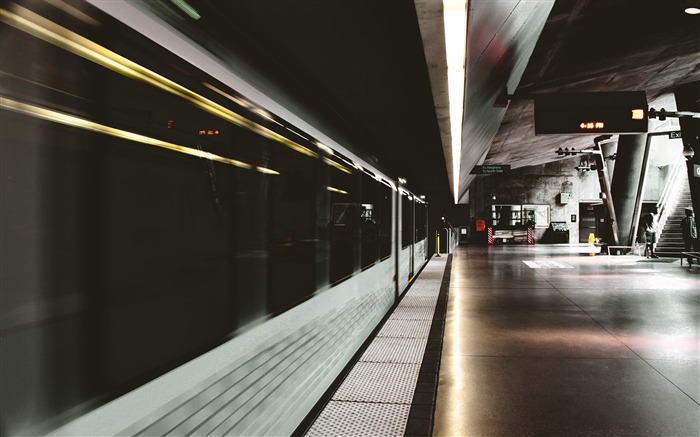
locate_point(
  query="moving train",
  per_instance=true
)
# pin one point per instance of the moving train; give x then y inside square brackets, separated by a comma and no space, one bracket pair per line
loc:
[181,253]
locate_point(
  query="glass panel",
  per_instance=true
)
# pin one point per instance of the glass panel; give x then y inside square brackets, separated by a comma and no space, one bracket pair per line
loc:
[406,221]
[386,194]
[343,224]
[369,215]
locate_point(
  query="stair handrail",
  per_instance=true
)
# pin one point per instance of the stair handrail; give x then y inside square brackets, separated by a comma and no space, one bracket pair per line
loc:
[669,196]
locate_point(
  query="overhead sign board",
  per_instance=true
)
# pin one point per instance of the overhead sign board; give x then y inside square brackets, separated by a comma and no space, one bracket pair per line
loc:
[591,113]
[490,169]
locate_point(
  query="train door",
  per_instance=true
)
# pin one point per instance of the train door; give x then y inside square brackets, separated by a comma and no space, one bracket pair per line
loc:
[407,230]
[412,265]
[589,217]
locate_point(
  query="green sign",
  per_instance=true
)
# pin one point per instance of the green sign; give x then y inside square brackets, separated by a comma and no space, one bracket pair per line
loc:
[696,170]
[490,169]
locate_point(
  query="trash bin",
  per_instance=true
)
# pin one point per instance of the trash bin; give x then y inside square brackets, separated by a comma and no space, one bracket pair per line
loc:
[558,232]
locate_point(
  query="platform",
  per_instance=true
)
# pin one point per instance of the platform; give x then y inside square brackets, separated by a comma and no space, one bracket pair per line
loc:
[542,341]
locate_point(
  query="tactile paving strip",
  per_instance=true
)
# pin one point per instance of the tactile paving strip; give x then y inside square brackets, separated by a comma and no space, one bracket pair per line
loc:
[375,397]
[379,382]
[405,328]
[394,350]
[360,419]
[414,313]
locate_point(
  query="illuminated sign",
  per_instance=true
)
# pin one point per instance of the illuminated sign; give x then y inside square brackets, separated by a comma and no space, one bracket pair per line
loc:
[587,113]
[637,114]
[592,125]
[208,132]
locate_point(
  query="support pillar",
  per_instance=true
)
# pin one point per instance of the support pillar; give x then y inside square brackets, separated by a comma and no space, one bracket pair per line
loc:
[629,174]
[609,231]
[609,149]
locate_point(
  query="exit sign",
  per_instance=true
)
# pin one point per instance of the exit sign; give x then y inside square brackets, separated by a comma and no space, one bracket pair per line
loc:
[696,170]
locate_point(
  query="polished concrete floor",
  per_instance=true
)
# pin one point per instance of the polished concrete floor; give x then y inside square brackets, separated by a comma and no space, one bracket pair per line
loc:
[543,341]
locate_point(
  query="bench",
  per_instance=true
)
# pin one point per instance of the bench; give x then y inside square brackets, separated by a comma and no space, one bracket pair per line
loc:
[695,255]
[637,249]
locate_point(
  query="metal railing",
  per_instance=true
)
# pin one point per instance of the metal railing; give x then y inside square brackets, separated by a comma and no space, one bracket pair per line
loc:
[670,194]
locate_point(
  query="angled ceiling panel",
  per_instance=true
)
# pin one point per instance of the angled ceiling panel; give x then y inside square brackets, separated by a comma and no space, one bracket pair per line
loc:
[501,38]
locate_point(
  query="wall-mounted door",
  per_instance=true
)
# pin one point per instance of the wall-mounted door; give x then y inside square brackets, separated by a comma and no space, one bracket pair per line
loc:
[589,217]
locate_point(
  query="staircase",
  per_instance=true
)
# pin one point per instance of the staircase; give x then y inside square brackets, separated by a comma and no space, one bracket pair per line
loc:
[670,242]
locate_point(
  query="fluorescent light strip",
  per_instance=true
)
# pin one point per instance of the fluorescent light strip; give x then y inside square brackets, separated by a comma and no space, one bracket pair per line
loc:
[59,36]
[73,121]
[455,17]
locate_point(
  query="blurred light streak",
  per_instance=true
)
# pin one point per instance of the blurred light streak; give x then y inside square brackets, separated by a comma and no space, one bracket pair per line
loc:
[267,170]
[187,9]
[325,148]
[59,36]
[336,190]
[73,121]
[339,166]
[236,100]
[73,11]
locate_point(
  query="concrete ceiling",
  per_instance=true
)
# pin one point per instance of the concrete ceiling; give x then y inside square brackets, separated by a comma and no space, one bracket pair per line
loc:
[599,45]
[540,46]
[373,71]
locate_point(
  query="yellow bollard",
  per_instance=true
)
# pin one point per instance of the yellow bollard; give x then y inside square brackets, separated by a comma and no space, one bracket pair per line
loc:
[437,243]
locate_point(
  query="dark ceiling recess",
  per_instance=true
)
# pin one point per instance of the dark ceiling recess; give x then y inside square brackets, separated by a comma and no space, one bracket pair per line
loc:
[358,64]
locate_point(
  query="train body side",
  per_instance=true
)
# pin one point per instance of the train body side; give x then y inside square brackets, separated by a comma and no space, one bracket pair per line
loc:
[180,252]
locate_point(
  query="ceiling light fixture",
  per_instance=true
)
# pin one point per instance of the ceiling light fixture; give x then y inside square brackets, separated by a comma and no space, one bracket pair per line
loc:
[692,7]
[455,17]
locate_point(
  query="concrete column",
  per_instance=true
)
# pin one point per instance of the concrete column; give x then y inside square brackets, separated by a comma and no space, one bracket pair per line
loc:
[629,173]
[608,150]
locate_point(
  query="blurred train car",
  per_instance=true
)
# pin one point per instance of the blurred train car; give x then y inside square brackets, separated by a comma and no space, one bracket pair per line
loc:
[181,253]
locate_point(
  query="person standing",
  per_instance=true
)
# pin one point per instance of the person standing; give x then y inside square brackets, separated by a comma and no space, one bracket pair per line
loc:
[650,233]
[690,233]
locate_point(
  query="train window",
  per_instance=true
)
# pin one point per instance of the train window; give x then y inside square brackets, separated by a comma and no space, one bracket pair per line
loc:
[369,221]
[406,221]
[420,221]
[385,205]
[292,227]
[342,222]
